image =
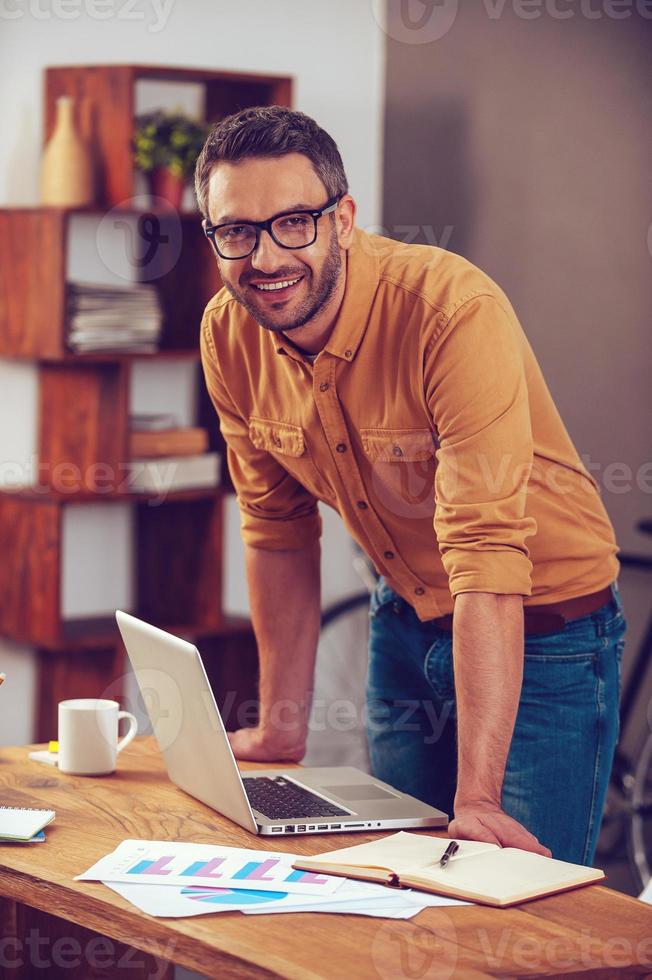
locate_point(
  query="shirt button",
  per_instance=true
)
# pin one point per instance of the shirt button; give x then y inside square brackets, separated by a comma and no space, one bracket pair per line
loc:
[388,554]
[362,504]
[324,386]
[419,590]
[341,447]
[397,451]
[348,353]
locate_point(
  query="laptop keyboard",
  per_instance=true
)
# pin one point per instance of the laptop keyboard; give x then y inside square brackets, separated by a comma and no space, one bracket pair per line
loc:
[278,799]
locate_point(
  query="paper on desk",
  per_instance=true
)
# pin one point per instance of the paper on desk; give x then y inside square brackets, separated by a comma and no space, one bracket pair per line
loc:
[403,900]
[164,900]
[646,894]
[171,902]
[179,863]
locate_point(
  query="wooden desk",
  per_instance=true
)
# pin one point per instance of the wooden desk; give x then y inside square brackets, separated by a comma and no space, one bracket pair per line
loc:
[592,932]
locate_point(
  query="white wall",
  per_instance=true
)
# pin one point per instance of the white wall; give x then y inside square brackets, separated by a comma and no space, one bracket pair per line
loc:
[333,49]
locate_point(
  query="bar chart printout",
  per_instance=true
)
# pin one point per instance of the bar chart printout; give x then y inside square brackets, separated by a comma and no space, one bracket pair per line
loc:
[181,863]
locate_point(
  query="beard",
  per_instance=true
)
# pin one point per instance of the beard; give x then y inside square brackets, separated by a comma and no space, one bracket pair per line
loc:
[319,291]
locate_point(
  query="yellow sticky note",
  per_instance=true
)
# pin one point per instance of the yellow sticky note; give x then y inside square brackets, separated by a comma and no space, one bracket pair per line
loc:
[53,746]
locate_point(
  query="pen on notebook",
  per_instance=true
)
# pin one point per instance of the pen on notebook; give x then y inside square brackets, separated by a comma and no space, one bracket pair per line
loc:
[452,849]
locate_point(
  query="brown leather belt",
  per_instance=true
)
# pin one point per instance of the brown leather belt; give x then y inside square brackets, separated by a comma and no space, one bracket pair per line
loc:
[549,618]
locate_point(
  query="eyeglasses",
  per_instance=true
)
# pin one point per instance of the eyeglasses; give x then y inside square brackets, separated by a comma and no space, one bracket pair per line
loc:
[289,229]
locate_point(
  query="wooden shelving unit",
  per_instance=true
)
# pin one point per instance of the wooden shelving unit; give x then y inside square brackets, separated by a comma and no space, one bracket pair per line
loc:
[83,417]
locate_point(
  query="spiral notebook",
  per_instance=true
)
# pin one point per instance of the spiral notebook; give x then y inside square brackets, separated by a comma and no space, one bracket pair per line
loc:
[22,823]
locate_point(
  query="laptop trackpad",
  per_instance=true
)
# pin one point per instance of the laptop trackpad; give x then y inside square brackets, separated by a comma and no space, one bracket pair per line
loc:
[358,791]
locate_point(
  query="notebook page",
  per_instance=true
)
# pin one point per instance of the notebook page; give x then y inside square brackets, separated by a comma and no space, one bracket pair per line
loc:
[398,852]
[507,872]
[21,824]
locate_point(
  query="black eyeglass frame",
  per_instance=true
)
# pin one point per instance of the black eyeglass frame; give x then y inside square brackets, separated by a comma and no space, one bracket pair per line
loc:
[260,226]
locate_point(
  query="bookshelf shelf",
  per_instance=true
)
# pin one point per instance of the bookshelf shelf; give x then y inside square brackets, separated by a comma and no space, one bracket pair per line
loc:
[122,357]
[83,409]
[99,631]
[46,495]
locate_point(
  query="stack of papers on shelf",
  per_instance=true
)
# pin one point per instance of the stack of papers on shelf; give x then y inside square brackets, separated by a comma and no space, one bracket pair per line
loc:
[174,879]
[168,473]
[152,421]
[113,318]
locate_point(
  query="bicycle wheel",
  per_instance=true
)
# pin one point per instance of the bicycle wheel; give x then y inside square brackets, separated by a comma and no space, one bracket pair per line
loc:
[337,734]
[640,821]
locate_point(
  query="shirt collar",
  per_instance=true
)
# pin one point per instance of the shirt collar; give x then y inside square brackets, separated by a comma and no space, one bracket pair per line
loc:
[362,273]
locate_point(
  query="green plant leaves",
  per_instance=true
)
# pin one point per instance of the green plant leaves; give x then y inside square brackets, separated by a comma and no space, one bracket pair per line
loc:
[169,140]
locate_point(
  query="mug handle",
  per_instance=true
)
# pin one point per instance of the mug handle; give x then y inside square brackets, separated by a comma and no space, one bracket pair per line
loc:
[133,728]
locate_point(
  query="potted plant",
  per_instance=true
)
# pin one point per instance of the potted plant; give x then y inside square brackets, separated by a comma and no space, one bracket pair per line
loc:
[166,147]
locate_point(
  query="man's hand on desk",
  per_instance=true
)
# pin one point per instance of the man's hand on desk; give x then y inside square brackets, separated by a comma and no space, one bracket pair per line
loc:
[491,824]
[257,745]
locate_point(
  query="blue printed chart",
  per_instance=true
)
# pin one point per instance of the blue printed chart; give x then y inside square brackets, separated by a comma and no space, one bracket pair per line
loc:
[226,896]
[214,865]
[354,898]
[167,902]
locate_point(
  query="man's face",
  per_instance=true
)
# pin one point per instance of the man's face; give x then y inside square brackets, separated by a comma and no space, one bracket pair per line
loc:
[255,190]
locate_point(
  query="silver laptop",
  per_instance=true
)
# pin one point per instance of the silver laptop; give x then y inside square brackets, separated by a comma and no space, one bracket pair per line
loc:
[199,759]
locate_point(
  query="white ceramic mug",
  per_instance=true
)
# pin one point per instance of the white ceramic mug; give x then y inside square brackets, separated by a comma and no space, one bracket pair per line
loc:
[88,735]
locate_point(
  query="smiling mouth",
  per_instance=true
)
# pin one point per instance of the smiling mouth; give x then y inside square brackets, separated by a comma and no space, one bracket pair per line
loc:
[276,287]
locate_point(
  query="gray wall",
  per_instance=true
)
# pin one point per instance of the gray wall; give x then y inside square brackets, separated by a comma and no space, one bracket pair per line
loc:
[525,145]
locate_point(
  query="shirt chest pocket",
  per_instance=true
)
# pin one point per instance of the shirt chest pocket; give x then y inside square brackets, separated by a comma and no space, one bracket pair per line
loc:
[399,445]
[400,471]
[277,437]
[287,443]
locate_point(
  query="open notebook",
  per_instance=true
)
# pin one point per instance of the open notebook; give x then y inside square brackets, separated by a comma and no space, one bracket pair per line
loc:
[479,872]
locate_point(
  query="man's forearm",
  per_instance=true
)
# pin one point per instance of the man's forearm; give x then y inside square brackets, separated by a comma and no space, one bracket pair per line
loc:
[284,593]
[488,665]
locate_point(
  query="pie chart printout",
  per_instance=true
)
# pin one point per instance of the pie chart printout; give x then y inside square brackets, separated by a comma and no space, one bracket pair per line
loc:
[226,896]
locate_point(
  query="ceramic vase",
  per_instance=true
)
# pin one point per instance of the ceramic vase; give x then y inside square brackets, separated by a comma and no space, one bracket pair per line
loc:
[66,170]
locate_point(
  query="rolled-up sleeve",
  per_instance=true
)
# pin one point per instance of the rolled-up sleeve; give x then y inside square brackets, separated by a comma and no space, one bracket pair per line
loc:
[477,394]
[276,512]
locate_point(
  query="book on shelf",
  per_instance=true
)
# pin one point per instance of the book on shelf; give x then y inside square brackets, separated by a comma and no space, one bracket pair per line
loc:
[479,872]
[189,441]
[168,473]
[152,421]
[113,318]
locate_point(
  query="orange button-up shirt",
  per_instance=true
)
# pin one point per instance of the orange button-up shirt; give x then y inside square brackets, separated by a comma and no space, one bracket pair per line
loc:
[425,422]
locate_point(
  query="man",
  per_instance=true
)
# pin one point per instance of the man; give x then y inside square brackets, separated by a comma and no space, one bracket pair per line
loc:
[395,384]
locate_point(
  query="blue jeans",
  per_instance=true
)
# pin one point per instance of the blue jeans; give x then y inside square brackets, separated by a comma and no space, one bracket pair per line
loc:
[566,727]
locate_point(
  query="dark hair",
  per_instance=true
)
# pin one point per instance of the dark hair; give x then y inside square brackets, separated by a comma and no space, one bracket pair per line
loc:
[269,131]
